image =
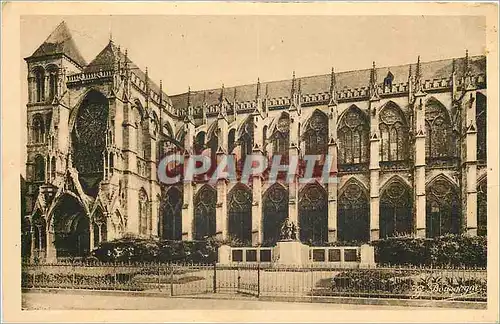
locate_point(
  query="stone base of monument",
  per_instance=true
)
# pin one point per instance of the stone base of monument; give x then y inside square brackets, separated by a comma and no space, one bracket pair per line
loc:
[291,253]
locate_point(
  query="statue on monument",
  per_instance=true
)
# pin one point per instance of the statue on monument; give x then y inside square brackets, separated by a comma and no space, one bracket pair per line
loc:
[288,231]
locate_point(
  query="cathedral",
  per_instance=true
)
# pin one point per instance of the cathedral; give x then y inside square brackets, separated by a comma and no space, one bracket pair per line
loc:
[409,142]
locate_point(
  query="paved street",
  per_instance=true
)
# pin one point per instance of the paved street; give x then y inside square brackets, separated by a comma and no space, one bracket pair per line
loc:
[64,301]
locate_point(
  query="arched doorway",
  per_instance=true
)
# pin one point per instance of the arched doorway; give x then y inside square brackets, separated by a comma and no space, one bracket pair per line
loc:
[240,214]
[396,210]
[443,208]
[71,228]
[275,205]
[204,213]
[313,214]
[171,211]
[353,219]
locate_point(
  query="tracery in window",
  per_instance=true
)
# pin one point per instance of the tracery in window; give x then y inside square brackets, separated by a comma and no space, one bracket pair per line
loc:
[240,213]
[316,134]
[171,211]
[246,138]
[280,137]
[443,208]
[353,221]
[393,132]
[396,210]
[353,137]
[482,207]
[204,213]
[481,123]
[313,214]
[275,205]
[439,139]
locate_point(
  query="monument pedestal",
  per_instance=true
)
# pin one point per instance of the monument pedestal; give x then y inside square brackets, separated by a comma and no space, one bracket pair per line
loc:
[291,253]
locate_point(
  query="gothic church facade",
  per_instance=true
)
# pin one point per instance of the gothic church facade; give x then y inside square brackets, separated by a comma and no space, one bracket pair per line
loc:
[410,143]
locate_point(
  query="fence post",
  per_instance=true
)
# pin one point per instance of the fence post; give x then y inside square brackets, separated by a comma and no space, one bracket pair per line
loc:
[215,277]
[73,279]
[171,279]
[258,280]
[159,277]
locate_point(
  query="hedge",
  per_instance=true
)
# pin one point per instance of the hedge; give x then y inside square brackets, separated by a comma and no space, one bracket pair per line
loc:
[449,250]
[133,249]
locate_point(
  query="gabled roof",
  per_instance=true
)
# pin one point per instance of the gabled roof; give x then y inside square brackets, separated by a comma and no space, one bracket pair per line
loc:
[60,41]
[321,83]
[106,59]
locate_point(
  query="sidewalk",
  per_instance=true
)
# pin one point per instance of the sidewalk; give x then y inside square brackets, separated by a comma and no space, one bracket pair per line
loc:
[71,300]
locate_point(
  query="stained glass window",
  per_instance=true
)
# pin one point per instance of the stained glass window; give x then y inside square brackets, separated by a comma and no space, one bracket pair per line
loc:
[316,134]
[393,132]
[443,208]
[482,208]
[89,141]
[353,137]
[171,211]
[353,219]
[143,212]
[275,205]
[313,214]
[281,136]
[246,138]
[240,213]
[204,213]
[481,127]
[439,137]
[396,210]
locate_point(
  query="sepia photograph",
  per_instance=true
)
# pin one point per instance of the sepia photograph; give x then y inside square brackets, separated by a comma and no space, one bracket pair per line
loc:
[255,161]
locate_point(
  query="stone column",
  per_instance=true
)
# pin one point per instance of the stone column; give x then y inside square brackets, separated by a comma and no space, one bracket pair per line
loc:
[32,242]
[188,192]
[258,149]
[470,165]
[419,165]
[91,236]
[221,212]
[374,170]
[50,248]
[332,152]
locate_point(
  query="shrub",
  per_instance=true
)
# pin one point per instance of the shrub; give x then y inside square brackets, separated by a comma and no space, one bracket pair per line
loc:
[449,250]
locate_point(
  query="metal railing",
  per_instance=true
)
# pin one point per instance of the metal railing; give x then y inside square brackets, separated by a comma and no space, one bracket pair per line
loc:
[264,279]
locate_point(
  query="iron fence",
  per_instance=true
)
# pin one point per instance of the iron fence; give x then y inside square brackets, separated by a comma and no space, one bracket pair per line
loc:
[311,281]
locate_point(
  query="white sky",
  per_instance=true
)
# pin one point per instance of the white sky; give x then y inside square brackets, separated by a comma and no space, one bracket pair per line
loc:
[206,51]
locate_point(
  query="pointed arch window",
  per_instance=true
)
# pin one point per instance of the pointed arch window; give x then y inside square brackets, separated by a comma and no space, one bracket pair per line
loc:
[231,143]
[247,138]
[204,213]
[316,134]
[199,142]
[313,215]
[53,168]
[443,209]
[171,211]
[393,132]
[353,137]
[396,216]
[53,82]
[38,129]
[275,204]
[481,127]
[280,137]
[240,214]
[40,84]
[353,221]
[143,212]
[439,140]
[39,170]
[482,207]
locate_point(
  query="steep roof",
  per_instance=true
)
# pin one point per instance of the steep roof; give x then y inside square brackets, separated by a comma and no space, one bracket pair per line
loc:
[106,59]
[60,41]
[321,83]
